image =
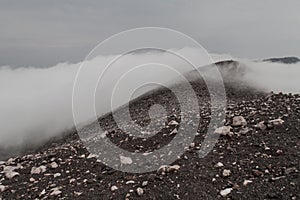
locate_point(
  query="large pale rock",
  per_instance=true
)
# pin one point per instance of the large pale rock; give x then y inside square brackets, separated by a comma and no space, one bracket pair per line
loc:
[239,121]
[224,130]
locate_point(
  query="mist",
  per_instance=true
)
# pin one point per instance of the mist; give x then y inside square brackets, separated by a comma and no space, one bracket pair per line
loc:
[277,77]
[36,104]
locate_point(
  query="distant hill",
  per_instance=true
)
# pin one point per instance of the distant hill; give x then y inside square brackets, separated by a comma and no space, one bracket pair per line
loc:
[285,60]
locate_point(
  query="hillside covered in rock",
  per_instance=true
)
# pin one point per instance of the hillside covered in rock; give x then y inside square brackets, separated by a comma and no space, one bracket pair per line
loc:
[256,157]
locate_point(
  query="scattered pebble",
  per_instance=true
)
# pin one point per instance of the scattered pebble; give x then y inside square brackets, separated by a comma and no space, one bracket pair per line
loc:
[246,182]
[226,172]
[219,164]
[54,165]
[125,160]
[55,192]
[239,121]
[225,192]
[114,188]
[140,191]
[38,170]
[224,130]
[145,183]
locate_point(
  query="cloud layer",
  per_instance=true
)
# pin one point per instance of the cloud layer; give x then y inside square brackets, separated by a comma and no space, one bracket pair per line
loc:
[36,104]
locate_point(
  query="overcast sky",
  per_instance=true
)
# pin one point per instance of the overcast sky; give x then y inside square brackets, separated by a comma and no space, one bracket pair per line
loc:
[40,33]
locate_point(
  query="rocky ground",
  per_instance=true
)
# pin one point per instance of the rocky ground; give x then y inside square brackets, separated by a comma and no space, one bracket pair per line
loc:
[256,157]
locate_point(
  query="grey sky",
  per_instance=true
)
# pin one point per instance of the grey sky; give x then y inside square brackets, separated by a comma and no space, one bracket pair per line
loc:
[40,33]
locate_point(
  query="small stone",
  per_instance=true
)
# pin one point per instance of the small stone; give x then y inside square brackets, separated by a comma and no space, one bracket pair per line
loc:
[224,130]
[10,161]
[192,145]
[173,123]
[55,192]
[239,121]
[219,164]
[9,171]
[225,192]
[261,125]
[113,188]
[2,188]
[38,170]
[276,122]
[226,172]
[72,180]
[175,131]
[145,183]
[31,179]
[167,168]
[125,160]
[54,165]
[246,182]
[77,193]
[57,175]
[130,182]
[267,148]
[257,172]
[173,168]
[140,191]
[91,156]
[43,192]
[162,169]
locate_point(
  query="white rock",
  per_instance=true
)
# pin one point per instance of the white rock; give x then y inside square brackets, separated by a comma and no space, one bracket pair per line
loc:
[162,169]
[261,125]
[145,183]
[277,122]
[130,182]
[219,164]
[103,134]
[140,191]
[239,121]
[225,192]
[2,188]
[224,130]
[10,161]
[173,123]
[57,175]
[55,192]
[91,156]
[9,171]
[125,160]
[226,172]
[72,180]
[175,131]
[113,188]
[54,165]
[43,192]
[31,179]
[77,193]
[173,168]
[192,145]
[38,170]
[246,182]
[167,168]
